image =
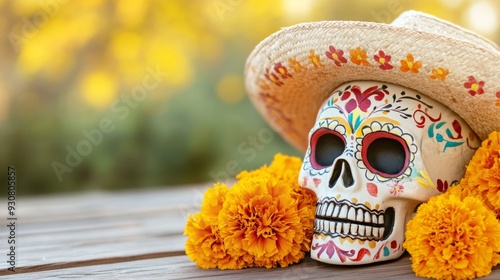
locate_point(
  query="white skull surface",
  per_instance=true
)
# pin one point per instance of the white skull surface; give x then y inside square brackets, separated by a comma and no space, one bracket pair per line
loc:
[375,153]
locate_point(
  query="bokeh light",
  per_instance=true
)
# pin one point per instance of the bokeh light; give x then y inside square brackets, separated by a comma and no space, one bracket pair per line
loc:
[482,17]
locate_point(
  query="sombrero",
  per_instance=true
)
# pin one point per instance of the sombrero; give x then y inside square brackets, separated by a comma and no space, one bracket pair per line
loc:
[290,73]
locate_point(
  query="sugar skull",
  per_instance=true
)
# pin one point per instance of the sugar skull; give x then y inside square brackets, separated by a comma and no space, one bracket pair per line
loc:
[375,153]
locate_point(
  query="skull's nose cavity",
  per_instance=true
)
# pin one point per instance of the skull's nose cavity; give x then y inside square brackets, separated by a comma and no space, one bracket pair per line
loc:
[341,169]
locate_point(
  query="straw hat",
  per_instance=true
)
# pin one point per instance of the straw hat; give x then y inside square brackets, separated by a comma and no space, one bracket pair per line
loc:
[291,73]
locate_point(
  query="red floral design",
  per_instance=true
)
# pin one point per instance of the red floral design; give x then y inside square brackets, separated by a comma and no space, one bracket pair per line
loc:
[362,100]
[273,78]
[474,86]
[330,249]
[420,116]
[336,55]
[442,186]
[282,71]
[384,60]
[498,100]
[396,188]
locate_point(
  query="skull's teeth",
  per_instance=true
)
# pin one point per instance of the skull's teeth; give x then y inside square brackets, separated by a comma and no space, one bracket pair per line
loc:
[343,212]
[345,228]
[336,211]
[368,218]
[332,211]
[349,220]
[353,231]
[351,215]
[361,230]
[359,215]
[329,209]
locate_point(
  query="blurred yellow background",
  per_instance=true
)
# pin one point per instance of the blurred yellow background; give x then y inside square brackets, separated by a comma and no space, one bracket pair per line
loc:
[113,94]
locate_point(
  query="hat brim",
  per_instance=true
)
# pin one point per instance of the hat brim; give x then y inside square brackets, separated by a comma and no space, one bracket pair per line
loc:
[291,73]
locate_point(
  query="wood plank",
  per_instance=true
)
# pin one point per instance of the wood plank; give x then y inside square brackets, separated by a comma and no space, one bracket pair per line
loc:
[179,267]
[107,204]
[97,226]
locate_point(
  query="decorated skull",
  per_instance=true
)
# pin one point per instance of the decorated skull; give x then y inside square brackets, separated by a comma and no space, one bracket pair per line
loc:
[375,153]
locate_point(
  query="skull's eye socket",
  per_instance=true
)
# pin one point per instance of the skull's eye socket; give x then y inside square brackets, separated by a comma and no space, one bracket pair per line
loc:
[326,146]
[385,154]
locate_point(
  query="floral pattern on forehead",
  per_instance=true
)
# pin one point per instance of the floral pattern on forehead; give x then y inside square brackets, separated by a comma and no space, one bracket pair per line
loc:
[358,107]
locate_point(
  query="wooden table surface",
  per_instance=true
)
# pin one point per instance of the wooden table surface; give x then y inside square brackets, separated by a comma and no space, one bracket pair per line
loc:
[138,235]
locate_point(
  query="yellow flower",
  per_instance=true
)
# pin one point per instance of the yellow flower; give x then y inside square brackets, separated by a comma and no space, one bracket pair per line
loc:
[482,177]
[450,238]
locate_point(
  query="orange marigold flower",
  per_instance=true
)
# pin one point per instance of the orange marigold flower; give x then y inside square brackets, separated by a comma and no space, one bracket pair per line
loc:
[409,64]
[265,219]
[439,73]
[482,176]
[450,238]
[260,218]
[205,247]
[283,168]
[306,207]
[359,56]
